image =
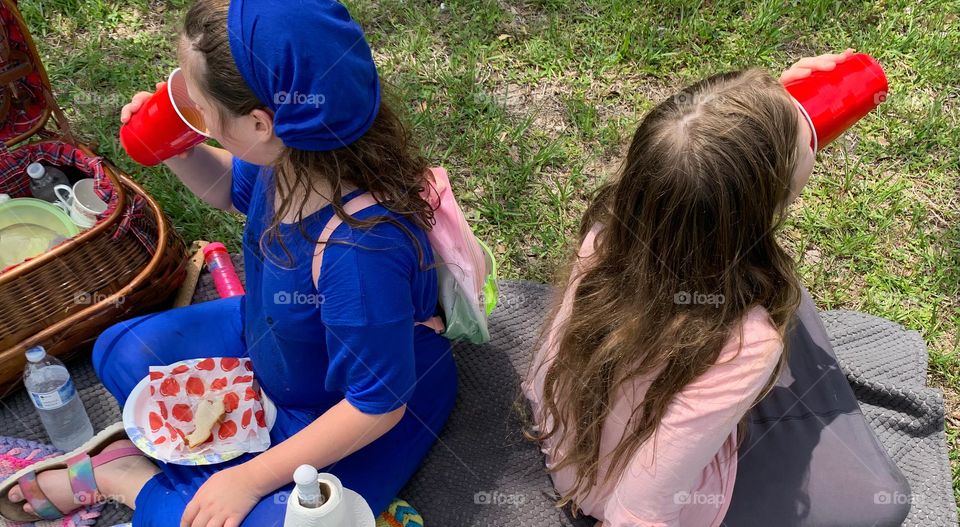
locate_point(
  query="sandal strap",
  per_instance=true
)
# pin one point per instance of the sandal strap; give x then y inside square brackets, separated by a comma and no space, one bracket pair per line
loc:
[105,457]
[80,472]
[42,507]
[82,482]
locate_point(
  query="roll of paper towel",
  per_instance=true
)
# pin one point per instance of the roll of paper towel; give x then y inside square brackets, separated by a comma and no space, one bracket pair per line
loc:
[341,508]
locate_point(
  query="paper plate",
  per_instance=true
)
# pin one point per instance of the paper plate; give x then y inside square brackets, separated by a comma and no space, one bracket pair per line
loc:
[135,422]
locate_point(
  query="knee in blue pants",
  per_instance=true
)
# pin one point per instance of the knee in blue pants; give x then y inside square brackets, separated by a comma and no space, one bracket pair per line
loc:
[124,353]
[121,358]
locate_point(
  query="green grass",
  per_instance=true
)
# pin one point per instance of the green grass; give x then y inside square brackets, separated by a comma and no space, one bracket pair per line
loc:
[530,104]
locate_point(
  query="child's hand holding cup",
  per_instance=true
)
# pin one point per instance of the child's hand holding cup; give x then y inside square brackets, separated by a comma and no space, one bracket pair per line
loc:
[835,91]
[161,125]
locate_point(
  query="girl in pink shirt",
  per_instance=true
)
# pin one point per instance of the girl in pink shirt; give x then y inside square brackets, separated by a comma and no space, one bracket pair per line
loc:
[676,311]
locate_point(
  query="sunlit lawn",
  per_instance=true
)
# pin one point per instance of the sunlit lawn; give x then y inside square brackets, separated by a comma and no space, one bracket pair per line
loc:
[529,105]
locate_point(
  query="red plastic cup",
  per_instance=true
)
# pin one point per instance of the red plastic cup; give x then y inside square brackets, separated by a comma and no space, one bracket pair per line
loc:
[833,101]
[168,124]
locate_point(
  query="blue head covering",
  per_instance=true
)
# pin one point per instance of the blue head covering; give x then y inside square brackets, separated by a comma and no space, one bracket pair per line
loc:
[309,62]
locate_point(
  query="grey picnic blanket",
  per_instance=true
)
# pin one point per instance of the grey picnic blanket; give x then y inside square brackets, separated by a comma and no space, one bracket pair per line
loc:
[482,472]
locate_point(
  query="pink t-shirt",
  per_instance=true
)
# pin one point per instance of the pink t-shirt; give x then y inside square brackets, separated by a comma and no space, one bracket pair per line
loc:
[684,474]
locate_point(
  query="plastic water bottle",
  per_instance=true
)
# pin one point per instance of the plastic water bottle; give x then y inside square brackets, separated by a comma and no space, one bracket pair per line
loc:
[43,179]
[221,268]
[308,486]
[61,411]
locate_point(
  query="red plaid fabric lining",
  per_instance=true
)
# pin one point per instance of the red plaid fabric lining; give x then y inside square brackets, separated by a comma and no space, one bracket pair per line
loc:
[27,105]
[15,181]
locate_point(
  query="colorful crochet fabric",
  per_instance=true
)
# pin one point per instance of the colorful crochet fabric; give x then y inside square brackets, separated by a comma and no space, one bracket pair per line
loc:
[15,454]
[400,514]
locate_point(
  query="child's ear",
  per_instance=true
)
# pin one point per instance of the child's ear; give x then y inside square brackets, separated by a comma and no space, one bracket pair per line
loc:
[263,121]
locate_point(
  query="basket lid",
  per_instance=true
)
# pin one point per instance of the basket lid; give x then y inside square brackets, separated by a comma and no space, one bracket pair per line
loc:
[26,96]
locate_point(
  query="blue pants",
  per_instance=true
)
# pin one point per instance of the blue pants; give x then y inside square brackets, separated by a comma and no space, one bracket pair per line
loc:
[124,353]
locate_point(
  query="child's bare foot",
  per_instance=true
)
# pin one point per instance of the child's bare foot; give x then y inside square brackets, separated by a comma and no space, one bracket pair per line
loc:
[119,480]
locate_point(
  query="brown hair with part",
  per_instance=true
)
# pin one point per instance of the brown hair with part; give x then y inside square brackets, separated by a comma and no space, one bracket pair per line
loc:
[694,209]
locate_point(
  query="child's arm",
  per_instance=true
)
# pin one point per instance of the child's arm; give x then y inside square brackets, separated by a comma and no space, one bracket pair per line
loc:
[229,495]
[339,432]
[205,170]
[658,481]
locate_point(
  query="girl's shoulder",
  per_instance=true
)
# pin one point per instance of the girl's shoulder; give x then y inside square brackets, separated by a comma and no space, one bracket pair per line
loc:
[395,230]
[375,274]
[394,241]
[756,338]
[758,325]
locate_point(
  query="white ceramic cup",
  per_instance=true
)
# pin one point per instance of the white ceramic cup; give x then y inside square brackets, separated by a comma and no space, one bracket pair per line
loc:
[81,202]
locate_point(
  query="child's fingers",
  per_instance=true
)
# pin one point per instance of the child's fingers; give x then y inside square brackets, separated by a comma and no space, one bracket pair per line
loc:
[827,61]
[807,65]
[189,514]
[823,62]
[133,106]
[834,58]
[218,520]
[202,519]
[794,73]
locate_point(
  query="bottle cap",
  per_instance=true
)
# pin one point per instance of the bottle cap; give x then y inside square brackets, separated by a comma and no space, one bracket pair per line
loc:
[210,247]
[308,486]
[306,476]
[36,170]
[36,354]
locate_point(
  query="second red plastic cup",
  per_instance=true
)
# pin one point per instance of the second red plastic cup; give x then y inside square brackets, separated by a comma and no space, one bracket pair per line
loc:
[168,124]
[834,100]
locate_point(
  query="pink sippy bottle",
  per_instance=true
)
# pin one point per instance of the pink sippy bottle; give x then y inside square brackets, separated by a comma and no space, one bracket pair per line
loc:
[221,268]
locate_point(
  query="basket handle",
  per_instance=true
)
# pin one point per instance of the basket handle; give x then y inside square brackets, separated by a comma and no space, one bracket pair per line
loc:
[20,68]
[66,133]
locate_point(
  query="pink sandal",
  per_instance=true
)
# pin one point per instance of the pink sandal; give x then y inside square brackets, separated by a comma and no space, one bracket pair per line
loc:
[79,464]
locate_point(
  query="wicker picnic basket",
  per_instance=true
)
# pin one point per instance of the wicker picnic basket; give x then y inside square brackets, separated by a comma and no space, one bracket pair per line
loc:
[129,262]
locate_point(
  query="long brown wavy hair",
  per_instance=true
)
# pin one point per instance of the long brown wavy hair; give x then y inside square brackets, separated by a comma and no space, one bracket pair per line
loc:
[693,211]
[384,161]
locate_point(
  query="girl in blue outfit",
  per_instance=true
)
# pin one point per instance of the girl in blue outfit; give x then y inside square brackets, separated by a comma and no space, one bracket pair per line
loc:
[291,91]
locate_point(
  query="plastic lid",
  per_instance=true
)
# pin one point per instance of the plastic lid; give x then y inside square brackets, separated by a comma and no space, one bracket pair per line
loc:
[215,246]
[36,170]
[306,476]
[36,354]
[308,485]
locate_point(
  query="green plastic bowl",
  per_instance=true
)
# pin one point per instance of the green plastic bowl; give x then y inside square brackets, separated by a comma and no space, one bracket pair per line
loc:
[55,224]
